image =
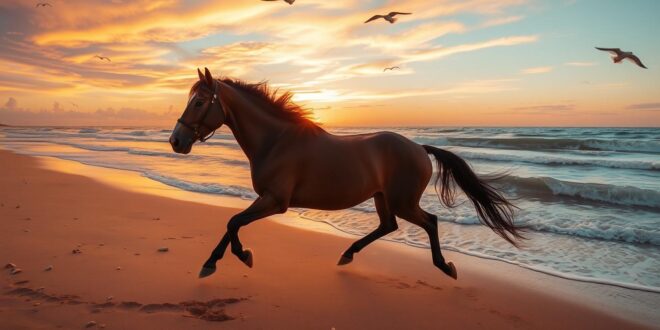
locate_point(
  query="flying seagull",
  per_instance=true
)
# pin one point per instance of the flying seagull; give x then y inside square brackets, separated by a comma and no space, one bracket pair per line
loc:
[43,4]
[391,68]
[619,55]
[389,17]
[102,58]
[287,1]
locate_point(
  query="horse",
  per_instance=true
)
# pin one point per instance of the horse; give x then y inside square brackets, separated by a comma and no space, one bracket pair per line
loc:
[296,163]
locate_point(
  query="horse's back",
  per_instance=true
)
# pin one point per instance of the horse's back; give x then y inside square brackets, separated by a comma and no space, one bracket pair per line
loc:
[336,172]
[406,168]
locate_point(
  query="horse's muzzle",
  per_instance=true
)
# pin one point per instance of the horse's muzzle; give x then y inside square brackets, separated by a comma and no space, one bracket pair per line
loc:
[181,139]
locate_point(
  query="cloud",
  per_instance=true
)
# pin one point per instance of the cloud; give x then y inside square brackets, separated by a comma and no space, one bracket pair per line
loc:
[155,45]
[465,88]
[440,52]
[500,21]
[654,106]
[12,114]
[545,108]
[416,37]
[11,104]
[537,70]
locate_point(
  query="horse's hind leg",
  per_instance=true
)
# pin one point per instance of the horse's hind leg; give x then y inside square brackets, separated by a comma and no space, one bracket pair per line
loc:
[387,225]
[429,223]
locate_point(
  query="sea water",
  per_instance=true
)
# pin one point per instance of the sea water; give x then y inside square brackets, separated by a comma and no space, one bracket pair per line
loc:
[589,197]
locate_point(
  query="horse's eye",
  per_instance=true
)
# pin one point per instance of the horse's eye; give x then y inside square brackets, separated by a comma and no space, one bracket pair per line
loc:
[198,104]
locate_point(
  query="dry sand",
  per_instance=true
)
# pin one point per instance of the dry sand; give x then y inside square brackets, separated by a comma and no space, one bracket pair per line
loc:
[120,279]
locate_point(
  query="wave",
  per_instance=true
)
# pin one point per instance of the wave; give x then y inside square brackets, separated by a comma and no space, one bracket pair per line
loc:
[206,188]
[93,147]
[225,140]
[160,154]
[137,133]
[560,160]
[603,231]
[548,144]
[469,247]
[595,192]
[89,130]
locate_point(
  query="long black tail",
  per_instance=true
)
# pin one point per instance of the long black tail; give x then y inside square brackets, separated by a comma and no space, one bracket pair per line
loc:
[494,210]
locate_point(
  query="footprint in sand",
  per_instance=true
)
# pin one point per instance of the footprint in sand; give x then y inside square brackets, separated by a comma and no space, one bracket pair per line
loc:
[424,284]
[212,310]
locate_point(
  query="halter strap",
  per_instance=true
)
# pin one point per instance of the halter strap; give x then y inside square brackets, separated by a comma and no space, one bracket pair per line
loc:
[202,122]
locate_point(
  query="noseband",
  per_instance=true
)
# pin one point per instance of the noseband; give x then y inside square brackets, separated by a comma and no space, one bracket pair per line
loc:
[202,123]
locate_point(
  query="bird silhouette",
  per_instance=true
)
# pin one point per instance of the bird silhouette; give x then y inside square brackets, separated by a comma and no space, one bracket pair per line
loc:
[43,4]
[391,68]
[619,55]
[287,1]
[389,17]
[103,58]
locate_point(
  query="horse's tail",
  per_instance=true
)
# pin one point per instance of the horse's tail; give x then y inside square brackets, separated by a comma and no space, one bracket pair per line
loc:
[494,210]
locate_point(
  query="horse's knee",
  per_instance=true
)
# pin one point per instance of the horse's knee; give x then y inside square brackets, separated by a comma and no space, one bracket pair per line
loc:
[389,227]
[233,226]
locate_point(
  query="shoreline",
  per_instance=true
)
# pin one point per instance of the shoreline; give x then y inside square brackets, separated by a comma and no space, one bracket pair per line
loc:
[525,282]
[291,218]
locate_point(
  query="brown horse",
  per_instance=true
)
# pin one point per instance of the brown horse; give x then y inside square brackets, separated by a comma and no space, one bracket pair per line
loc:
[295,163]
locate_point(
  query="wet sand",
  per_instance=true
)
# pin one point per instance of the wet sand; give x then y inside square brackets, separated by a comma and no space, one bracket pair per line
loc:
[120,279]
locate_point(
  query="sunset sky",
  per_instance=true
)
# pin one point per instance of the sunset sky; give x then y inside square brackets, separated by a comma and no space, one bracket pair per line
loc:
[475,62]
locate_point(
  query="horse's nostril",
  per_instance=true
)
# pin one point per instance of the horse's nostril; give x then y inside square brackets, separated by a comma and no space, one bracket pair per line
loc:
[174,141]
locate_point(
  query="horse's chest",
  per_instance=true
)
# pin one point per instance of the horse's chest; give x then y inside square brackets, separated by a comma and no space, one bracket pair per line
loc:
[270,178]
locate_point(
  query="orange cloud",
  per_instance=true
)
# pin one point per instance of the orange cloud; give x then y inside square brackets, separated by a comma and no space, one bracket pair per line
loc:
[538,70]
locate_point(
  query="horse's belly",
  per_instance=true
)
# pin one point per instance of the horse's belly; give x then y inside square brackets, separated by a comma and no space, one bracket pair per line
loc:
[329,195]
[327,204]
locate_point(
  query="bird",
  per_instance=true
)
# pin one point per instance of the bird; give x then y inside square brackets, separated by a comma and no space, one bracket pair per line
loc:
[103,58]
[389,17]
[391,68]
[43,4]
[620,55]
[287,1]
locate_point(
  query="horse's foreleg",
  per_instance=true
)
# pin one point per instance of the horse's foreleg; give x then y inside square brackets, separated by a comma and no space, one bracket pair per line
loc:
[387,225]
[209,266]
[260,208]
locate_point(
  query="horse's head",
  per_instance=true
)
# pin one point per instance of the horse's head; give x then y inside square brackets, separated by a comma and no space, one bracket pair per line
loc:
[203,115]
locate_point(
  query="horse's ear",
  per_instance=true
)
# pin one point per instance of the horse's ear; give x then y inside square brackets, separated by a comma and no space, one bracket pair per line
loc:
[209,78]
[201,76]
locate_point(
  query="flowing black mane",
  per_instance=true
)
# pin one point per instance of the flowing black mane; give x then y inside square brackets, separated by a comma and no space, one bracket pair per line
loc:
[280,105]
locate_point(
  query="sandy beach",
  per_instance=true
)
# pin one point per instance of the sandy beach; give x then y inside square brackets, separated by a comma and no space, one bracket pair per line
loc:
[118,279]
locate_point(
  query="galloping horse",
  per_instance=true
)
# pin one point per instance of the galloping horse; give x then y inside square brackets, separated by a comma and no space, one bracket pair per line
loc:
[295,163]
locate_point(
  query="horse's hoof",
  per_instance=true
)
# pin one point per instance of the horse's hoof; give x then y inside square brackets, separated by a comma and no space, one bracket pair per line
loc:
[452,270]
[206,271]
[344,260]
[247,254]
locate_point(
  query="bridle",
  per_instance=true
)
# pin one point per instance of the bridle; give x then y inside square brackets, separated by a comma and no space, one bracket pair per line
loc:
[202,122]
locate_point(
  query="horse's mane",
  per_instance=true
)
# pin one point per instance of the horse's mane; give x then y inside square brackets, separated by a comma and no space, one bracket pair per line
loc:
[278,104]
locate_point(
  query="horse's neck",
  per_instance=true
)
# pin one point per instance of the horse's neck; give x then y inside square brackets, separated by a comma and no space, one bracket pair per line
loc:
[254,129]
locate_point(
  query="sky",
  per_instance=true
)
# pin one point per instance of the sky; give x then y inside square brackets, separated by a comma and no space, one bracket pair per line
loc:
[462,62]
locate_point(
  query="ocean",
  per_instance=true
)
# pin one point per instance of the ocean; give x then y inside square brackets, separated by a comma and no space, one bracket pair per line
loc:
[589,197]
